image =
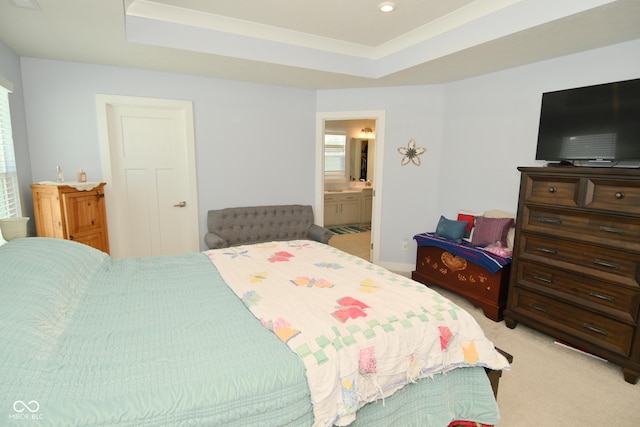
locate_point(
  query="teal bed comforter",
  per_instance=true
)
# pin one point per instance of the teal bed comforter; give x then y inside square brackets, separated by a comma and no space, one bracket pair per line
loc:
[87,340]
[154,342]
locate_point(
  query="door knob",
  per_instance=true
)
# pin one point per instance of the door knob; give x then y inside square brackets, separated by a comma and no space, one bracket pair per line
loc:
[181,204]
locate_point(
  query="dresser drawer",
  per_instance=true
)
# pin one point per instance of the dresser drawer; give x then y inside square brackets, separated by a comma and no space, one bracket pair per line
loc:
[614,301]
[613,195]
[599,330]
[605,264]
[559,191]
[620,232]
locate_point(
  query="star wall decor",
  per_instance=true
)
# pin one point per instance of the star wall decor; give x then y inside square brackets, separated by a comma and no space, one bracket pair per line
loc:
[411,153]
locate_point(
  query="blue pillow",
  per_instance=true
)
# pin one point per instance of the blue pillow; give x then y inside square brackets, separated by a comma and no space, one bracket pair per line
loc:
[450,229]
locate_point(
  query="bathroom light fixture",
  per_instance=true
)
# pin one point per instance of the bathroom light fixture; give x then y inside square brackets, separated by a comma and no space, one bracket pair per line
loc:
[386,7]
[366,133]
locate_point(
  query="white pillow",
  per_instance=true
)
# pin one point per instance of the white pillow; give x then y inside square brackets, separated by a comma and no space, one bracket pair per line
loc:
[2,241]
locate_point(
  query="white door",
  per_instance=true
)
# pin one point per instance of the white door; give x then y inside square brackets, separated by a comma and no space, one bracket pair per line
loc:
[148,161]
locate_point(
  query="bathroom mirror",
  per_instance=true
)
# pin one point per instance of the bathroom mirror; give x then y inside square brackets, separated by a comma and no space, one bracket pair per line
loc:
[361,159]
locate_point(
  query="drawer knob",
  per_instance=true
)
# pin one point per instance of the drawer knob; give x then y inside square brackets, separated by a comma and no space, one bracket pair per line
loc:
[595,329]
[553,221]
[619,195]
[546,250]
[602,296]
[552,189]
[543,278]
[611,230]
[538,307]
[607,264]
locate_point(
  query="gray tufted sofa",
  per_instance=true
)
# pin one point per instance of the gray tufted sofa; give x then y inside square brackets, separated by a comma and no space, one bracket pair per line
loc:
[255,224]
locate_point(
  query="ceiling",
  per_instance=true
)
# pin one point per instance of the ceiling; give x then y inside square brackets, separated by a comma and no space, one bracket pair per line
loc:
[316,44]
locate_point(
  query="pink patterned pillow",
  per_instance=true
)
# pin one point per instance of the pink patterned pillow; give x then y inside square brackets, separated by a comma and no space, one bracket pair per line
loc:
[488,231]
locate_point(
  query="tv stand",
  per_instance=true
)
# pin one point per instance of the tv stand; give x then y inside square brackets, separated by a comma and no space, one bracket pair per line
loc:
[630,164]
[563,163]
[623,164]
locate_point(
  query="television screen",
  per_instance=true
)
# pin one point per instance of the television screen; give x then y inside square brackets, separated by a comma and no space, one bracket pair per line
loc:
[600,122]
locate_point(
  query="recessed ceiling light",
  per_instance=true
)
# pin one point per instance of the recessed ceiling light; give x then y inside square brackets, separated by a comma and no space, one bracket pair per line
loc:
[26,4]
[387,7]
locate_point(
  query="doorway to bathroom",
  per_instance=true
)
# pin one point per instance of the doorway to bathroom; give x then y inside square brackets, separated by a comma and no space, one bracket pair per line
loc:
[355,198]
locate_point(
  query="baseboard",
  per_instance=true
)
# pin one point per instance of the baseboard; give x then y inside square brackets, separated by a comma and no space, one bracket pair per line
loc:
[399,268]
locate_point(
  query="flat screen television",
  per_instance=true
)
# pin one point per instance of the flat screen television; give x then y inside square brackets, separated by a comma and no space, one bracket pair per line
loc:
[592,124]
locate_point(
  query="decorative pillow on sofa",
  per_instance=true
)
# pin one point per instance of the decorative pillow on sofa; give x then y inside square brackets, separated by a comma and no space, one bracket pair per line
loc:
[488,231]
[450,229]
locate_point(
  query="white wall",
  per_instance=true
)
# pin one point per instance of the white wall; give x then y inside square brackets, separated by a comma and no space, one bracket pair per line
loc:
[491,123]
[476,131]
[254,143]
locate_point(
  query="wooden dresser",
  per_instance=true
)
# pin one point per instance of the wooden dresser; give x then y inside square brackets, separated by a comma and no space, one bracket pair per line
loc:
[64,212]
[575,269]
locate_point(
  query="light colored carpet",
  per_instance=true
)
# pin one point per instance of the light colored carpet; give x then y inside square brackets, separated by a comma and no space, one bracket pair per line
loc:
[548,385]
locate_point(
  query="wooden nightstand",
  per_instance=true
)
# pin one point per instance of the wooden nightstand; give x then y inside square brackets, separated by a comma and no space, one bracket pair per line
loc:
[65,212]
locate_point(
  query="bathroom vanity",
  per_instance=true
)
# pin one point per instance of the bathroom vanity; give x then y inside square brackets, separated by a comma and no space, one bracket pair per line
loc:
[348,207]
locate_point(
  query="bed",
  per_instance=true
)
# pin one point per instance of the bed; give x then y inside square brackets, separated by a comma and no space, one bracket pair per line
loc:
[190,340]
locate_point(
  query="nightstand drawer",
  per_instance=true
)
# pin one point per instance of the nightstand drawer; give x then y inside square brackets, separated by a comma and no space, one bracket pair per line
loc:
[559,191]
[606,264]
[614,301]
[599,330]
[620,232]
[613,195]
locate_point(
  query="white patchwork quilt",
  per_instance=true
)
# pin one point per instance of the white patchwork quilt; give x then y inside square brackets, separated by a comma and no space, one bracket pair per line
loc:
[362,331]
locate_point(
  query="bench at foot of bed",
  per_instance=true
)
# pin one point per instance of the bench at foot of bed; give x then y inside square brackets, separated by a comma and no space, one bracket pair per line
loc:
[435,266]
[494,376]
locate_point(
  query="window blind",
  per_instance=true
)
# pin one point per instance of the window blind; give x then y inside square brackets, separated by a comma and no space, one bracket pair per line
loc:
[335,155]
[9,190]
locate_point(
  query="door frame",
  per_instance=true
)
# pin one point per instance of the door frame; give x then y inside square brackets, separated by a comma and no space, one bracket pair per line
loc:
[105,100]
[379,117]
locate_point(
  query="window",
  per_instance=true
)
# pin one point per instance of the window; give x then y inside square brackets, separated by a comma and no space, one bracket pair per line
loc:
[335,145]
[9,192]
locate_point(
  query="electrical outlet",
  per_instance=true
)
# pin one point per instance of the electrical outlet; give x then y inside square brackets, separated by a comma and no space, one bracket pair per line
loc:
[405,245]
